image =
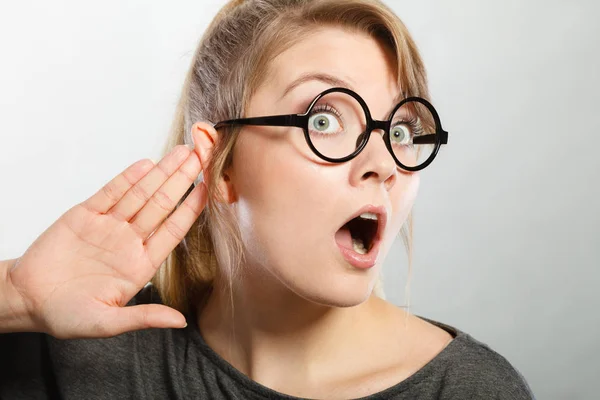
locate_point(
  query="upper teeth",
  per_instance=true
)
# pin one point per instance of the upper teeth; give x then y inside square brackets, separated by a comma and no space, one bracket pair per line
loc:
[369,215]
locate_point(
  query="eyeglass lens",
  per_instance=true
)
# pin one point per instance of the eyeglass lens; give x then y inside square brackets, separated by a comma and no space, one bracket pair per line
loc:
[337,123]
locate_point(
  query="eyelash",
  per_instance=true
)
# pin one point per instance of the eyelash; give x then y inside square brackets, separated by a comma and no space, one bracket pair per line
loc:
[415,127]
[326,108]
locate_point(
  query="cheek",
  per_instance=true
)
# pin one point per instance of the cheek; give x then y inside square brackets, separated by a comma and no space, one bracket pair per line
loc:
[276,195]
[402,197]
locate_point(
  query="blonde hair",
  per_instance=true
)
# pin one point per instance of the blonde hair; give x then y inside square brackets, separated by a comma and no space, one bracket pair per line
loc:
[229,64]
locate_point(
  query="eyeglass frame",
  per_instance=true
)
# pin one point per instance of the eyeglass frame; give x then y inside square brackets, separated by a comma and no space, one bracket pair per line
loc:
[301,121]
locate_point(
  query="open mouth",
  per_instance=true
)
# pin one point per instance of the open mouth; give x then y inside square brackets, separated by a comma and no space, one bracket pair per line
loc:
[361,233]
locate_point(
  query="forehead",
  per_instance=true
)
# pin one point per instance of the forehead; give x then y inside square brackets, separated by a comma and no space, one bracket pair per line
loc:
[354,60]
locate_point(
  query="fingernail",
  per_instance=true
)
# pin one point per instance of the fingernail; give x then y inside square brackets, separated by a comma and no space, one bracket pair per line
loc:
[190,146]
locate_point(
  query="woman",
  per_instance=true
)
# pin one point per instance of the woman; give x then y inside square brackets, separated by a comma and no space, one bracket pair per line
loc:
[269,289]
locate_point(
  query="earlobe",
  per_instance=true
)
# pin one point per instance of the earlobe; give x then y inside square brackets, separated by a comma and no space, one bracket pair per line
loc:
[226,188]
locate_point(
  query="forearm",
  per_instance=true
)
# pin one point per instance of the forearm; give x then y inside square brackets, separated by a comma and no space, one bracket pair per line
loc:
[13,313]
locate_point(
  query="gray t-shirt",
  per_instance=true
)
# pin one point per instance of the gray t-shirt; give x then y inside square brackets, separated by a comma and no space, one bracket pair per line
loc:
[178,364]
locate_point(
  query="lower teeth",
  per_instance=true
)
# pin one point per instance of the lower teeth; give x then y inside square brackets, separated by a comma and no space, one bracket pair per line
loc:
[359,246]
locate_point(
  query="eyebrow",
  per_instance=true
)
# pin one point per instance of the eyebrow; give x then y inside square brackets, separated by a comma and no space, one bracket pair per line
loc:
[330,80]
[316,76]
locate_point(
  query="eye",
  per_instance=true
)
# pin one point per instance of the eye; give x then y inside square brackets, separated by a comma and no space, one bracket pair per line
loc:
[324,123]
[401,134]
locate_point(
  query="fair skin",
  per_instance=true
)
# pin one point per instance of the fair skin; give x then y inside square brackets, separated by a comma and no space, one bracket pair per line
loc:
[305,321]
[329,335]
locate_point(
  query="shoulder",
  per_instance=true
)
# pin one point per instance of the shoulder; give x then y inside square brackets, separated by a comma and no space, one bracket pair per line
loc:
[132,361]
[473,368]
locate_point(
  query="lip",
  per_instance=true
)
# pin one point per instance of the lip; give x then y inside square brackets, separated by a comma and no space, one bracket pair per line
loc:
[365,261]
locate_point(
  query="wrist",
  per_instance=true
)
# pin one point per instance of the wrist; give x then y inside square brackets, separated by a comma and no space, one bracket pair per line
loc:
[14,316]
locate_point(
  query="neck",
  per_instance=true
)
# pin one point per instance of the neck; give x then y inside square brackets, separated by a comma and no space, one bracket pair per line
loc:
[253,324]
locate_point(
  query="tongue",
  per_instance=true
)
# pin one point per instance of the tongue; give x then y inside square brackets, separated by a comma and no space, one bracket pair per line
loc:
[343,238]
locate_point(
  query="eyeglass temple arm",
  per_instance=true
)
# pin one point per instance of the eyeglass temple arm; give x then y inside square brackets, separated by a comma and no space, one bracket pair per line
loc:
[431,138]
[297,120]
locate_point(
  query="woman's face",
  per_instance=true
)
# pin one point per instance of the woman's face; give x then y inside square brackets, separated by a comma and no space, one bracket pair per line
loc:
[292,206]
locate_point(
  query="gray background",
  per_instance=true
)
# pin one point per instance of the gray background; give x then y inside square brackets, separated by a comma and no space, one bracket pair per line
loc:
[507,245]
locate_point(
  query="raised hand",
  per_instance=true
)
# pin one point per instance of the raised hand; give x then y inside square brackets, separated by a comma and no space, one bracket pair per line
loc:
[78,275]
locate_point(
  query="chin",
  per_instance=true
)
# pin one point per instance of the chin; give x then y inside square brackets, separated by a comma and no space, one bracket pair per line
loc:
[345,292]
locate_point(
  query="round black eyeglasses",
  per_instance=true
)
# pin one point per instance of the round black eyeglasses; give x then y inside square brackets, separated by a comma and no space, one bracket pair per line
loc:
[338,124]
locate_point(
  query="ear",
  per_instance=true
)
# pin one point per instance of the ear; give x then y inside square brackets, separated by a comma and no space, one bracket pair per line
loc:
[205,137]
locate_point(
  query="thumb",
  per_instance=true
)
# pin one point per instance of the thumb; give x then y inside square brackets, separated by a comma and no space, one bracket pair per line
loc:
[145,316]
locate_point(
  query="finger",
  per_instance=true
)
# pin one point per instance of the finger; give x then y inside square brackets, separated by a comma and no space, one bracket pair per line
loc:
[142,191]
[132,318]
[114,190]
[164,200]
[174,229]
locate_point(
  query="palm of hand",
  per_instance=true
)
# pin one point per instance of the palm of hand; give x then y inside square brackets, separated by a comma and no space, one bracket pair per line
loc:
[78,275]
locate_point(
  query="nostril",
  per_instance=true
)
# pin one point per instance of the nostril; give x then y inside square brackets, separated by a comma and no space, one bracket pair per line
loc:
[368,175]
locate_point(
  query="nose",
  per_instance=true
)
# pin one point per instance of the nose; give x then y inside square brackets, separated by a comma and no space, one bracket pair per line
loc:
[374,163]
